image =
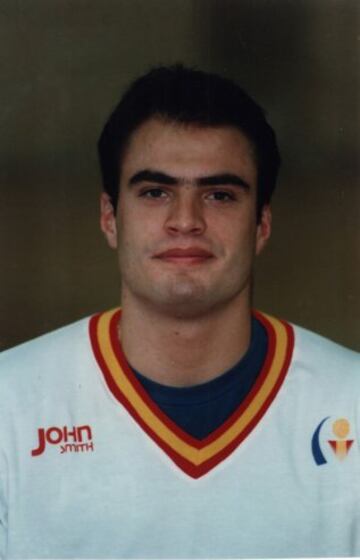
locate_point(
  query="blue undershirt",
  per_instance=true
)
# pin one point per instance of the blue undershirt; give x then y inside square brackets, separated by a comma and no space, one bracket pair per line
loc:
[201,409]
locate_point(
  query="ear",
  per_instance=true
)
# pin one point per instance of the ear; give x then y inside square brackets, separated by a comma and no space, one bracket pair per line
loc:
[108,220]
[263,230]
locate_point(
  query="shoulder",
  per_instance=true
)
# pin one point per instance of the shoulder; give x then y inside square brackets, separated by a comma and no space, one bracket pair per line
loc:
[310,345]
[305,345]
[32,361]
[326,365]
[312,358]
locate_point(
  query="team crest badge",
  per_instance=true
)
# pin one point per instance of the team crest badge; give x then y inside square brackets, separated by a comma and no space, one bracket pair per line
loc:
[331,437]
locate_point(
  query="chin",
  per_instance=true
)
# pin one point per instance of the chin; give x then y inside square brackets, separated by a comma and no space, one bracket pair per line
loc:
[184,290]
[186,303]
[185,309]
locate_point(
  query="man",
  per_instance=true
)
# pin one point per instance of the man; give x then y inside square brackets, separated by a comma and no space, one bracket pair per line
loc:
[184,425]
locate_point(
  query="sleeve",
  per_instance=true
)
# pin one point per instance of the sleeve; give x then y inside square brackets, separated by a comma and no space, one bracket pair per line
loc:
[3,506]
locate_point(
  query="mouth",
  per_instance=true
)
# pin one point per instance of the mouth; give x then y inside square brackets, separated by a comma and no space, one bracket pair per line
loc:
[190,255]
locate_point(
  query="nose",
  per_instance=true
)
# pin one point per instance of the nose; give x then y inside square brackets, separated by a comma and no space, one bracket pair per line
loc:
[186,214]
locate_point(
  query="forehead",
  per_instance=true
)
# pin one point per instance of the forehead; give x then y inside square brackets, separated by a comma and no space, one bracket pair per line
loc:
[188,150]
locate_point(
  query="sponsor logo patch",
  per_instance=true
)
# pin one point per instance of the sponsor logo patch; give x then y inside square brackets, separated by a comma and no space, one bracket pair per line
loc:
[340,444]
[77,439]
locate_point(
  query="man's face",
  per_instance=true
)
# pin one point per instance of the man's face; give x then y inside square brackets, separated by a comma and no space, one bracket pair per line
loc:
[185,228]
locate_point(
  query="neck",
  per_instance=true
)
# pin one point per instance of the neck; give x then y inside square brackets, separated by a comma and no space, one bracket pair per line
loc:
[184,351]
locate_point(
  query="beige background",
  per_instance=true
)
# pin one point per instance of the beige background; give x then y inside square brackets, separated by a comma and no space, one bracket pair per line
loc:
[64,64]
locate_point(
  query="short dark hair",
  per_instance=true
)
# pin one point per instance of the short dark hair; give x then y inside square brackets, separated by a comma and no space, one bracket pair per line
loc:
[188,96]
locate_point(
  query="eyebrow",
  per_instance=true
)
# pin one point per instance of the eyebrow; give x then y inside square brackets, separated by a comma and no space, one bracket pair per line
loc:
[223,179]
[153,176]
[149,176]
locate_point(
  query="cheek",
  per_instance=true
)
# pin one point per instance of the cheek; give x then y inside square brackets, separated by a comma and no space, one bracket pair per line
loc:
[238,237]
[127,220]
[135,238]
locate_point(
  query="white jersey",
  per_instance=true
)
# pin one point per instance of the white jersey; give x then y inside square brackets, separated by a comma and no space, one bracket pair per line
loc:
[91,468]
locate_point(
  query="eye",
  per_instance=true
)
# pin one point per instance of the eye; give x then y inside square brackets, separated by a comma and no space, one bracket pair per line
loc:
[221,196]
[153,193]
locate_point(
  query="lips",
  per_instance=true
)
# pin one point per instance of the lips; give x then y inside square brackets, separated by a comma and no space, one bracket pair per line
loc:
[187,255]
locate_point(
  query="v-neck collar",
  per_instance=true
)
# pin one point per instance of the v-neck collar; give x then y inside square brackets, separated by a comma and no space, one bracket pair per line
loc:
[195,457]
